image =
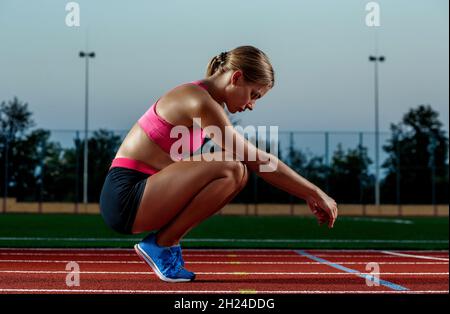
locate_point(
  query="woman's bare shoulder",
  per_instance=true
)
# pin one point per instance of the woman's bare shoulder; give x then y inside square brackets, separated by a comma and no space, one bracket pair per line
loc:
[189,93]
[183,102]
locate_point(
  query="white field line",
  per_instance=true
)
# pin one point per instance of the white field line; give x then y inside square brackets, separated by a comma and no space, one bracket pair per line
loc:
[109,291]
[219,263]
[415,256]
[382,220]
[240,273]
[207,240]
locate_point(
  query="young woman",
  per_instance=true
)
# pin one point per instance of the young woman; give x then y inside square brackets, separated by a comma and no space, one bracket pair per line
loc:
[152,187]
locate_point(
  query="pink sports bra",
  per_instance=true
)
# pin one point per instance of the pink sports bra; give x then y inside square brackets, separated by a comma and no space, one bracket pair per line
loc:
[158,130]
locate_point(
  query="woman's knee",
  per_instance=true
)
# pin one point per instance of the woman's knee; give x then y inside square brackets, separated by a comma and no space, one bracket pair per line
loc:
[237,172]
[244,177]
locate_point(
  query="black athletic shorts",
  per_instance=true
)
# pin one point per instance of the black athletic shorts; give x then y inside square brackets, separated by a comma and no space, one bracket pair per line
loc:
[120,198]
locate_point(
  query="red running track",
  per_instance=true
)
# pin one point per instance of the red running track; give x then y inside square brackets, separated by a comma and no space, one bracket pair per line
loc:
[227,271]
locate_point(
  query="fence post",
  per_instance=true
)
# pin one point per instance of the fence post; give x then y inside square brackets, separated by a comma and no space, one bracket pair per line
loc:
[247,200]
[77,169]
[361,186]
[255,179]
[41,183]
[291,153]
[5,191]
[327,161]
[398,176]
[431,163]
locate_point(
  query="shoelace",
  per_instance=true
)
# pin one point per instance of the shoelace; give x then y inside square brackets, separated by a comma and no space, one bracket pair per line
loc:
[177,252]
[169,261]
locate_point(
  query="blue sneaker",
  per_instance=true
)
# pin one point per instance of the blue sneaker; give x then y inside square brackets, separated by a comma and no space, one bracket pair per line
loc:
[164,261]
[176,250]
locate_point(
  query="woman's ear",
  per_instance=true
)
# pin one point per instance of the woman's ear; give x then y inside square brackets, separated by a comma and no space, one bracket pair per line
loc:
[235,77]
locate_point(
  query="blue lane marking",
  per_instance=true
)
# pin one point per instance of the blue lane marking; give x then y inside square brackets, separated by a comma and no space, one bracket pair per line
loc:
[352,271]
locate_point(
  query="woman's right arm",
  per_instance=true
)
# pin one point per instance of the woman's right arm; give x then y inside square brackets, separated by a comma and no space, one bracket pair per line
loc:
[217,126]
[215,122]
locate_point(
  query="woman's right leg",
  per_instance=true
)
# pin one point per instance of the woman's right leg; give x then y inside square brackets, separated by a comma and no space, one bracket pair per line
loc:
[208,201]
[185,193]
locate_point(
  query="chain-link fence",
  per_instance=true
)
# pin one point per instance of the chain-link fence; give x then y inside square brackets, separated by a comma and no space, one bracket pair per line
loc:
[48,166]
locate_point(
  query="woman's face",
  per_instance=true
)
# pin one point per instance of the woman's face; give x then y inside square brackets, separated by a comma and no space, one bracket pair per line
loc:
[242,95]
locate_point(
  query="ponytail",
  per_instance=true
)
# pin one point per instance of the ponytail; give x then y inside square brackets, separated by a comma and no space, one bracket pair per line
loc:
[254,64]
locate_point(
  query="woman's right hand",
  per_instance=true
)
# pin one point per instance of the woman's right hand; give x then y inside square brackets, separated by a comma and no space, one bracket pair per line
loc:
[324,208]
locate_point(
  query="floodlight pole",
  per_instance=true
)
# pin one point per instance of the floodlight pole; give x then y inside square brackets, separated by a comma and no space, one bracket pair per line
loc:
[375,60]
[86,55]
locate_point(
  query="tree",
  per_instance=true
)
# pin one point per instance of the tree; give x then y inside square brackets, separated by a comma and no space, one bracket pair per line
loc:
[35,167]
[418,150]
[15,120]
[308,166]
[63,171]
[349,178]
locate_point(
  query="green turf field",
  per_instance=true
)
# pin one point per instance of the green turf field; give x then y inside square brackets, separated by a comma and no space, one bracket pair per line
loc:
[59,230]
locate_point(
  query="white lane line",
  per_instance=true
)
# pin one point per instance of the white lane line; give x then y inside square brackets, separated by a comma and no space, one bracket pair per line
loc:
[295,256]
[415,256]
[374,251]
[65,254]
[67,261]
[380,255]
[196,250]
[313,263]
[191,255]
[236,262]
[135,255]
[186,255]
[221,256]
[236,273]
[120,291]
[70,249]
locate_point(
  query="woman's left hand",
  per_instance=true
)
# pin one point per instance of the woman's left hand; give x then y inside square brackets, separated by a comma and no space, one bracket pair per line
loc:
[324,208]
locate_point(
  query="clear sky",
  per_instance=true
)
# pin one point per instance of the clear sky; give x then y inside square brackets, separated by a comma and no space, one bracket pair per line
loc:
[319,49]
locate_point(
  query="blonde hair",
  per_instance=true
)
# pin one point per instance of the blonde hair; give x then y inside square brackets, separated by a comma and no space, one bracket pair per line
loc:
[254,64]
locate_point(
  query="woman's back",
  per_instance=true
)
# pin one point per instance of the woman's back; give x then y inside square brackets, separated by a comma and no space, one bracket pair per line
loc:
[149,139]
